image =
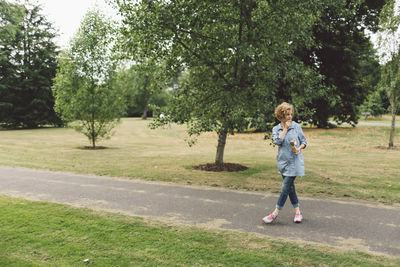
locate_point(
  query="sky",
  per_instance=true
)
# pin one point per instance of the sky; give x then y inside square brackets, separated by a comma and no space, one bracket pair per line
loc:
[66,15]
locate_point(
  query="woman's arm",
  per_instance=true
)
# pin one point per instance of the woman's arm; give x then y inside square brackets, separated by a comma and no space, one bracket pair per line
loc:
[277,138]
[303,140]
[286,126]
[284,132]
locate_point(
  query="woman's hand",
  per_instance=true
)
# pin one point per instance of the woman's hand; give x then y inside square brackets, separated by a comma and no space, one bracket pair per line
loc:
[298,150]
[287,124]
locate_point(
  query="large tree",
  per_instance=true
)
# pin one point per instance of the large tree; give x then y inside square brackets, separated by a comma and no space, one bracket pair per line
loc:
[345,57]
[389,48]
[144,86]
[232,54]
[27,66]
[83,86]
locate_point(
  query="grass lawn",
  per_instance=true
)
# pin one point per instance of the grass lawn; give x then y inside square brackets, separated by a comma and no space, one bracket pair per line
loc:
[387,118]
[45,234]
[342,163]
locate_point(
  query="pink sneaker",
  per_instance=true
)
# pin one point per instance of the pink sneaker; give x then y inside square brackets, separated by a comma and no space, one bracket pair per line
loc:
[270,218]
[298,217]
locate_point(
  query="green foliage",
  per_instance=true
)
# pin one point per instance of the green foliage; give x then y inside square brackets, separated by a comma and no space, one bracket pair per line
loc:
[343,54]
[390,56]
[83,86]
[231,53]
[373,105]
[27,66]
[389,22]
[144,87]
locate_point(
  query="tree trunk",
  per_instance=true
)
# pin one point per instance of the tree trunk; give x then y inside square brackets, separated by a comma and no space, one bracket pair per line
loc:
[146,97]
[144,116]
[93,142]
[93,116]
[219,159]
[391,137]
[93,135]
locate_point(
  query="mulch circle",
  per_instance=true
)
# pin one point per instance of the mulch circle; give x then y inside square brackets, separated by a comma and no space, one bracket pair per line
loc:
[388,148]
[226,167]
[91,148]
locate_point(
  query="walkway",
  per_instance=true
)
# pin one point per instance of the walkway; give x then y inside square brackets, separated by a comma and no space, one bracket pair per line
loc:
[365,226]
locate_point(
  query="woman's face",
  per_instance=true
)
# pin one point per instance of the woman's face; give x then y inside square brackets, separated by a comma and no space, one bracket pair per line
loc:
[288,116]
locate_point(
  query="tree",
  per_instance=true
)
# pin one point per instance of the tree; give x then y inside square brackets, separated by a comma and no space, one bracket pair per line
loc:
[390,80]
[232,54]
[83,87]
[345,57]
[373,105]
[27,66]
[144,86]
[390,58]
[11,16]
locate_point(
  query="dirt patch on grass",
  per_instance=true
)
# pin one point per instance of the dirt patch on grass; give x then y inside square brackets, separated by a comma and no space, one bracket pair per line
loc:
[226,167]
[92,148]
[388,148]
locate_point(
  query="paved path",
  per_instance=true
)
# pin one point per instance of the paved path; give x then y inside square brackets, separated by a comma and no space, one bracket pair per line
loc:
[352,224]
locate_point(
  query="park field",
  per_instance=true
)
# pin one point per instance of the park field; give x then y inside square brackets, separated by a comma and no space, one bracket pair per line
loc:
[345,162]
[46,234]
[384,118]
[341,163]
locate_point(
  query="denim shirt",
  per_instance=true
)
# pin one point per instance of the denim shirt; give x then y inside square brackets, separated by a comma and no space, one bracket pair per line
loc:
[289,164]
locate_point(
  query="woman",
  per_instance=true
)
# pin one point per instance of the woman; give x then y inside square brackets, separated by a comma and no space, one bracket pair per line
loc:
[290,160]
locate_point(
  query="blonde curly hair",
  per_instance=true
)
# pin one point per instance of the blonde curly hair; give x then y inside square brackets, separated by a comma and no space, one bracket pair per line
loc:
[282,110]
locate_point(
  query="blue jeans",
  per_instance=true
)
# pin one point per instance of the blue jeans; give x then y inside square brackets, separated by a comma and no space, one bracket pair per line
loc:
[288,189]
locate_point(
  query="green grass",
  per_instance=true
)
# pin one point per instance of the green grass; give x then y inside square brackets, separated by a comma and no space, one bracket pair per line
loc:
[383,119]
[45,234]
[342,163]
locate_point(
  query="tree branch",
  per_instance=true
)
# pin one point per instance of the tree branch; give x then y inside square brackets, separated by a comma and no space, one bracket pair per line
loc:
[206,62]
[197,34]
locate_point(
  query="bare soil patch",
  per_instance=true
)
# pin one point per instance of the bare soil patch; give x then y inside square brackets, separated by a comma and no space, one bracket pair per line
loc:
[388,148]
[93,148]
[226,167]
